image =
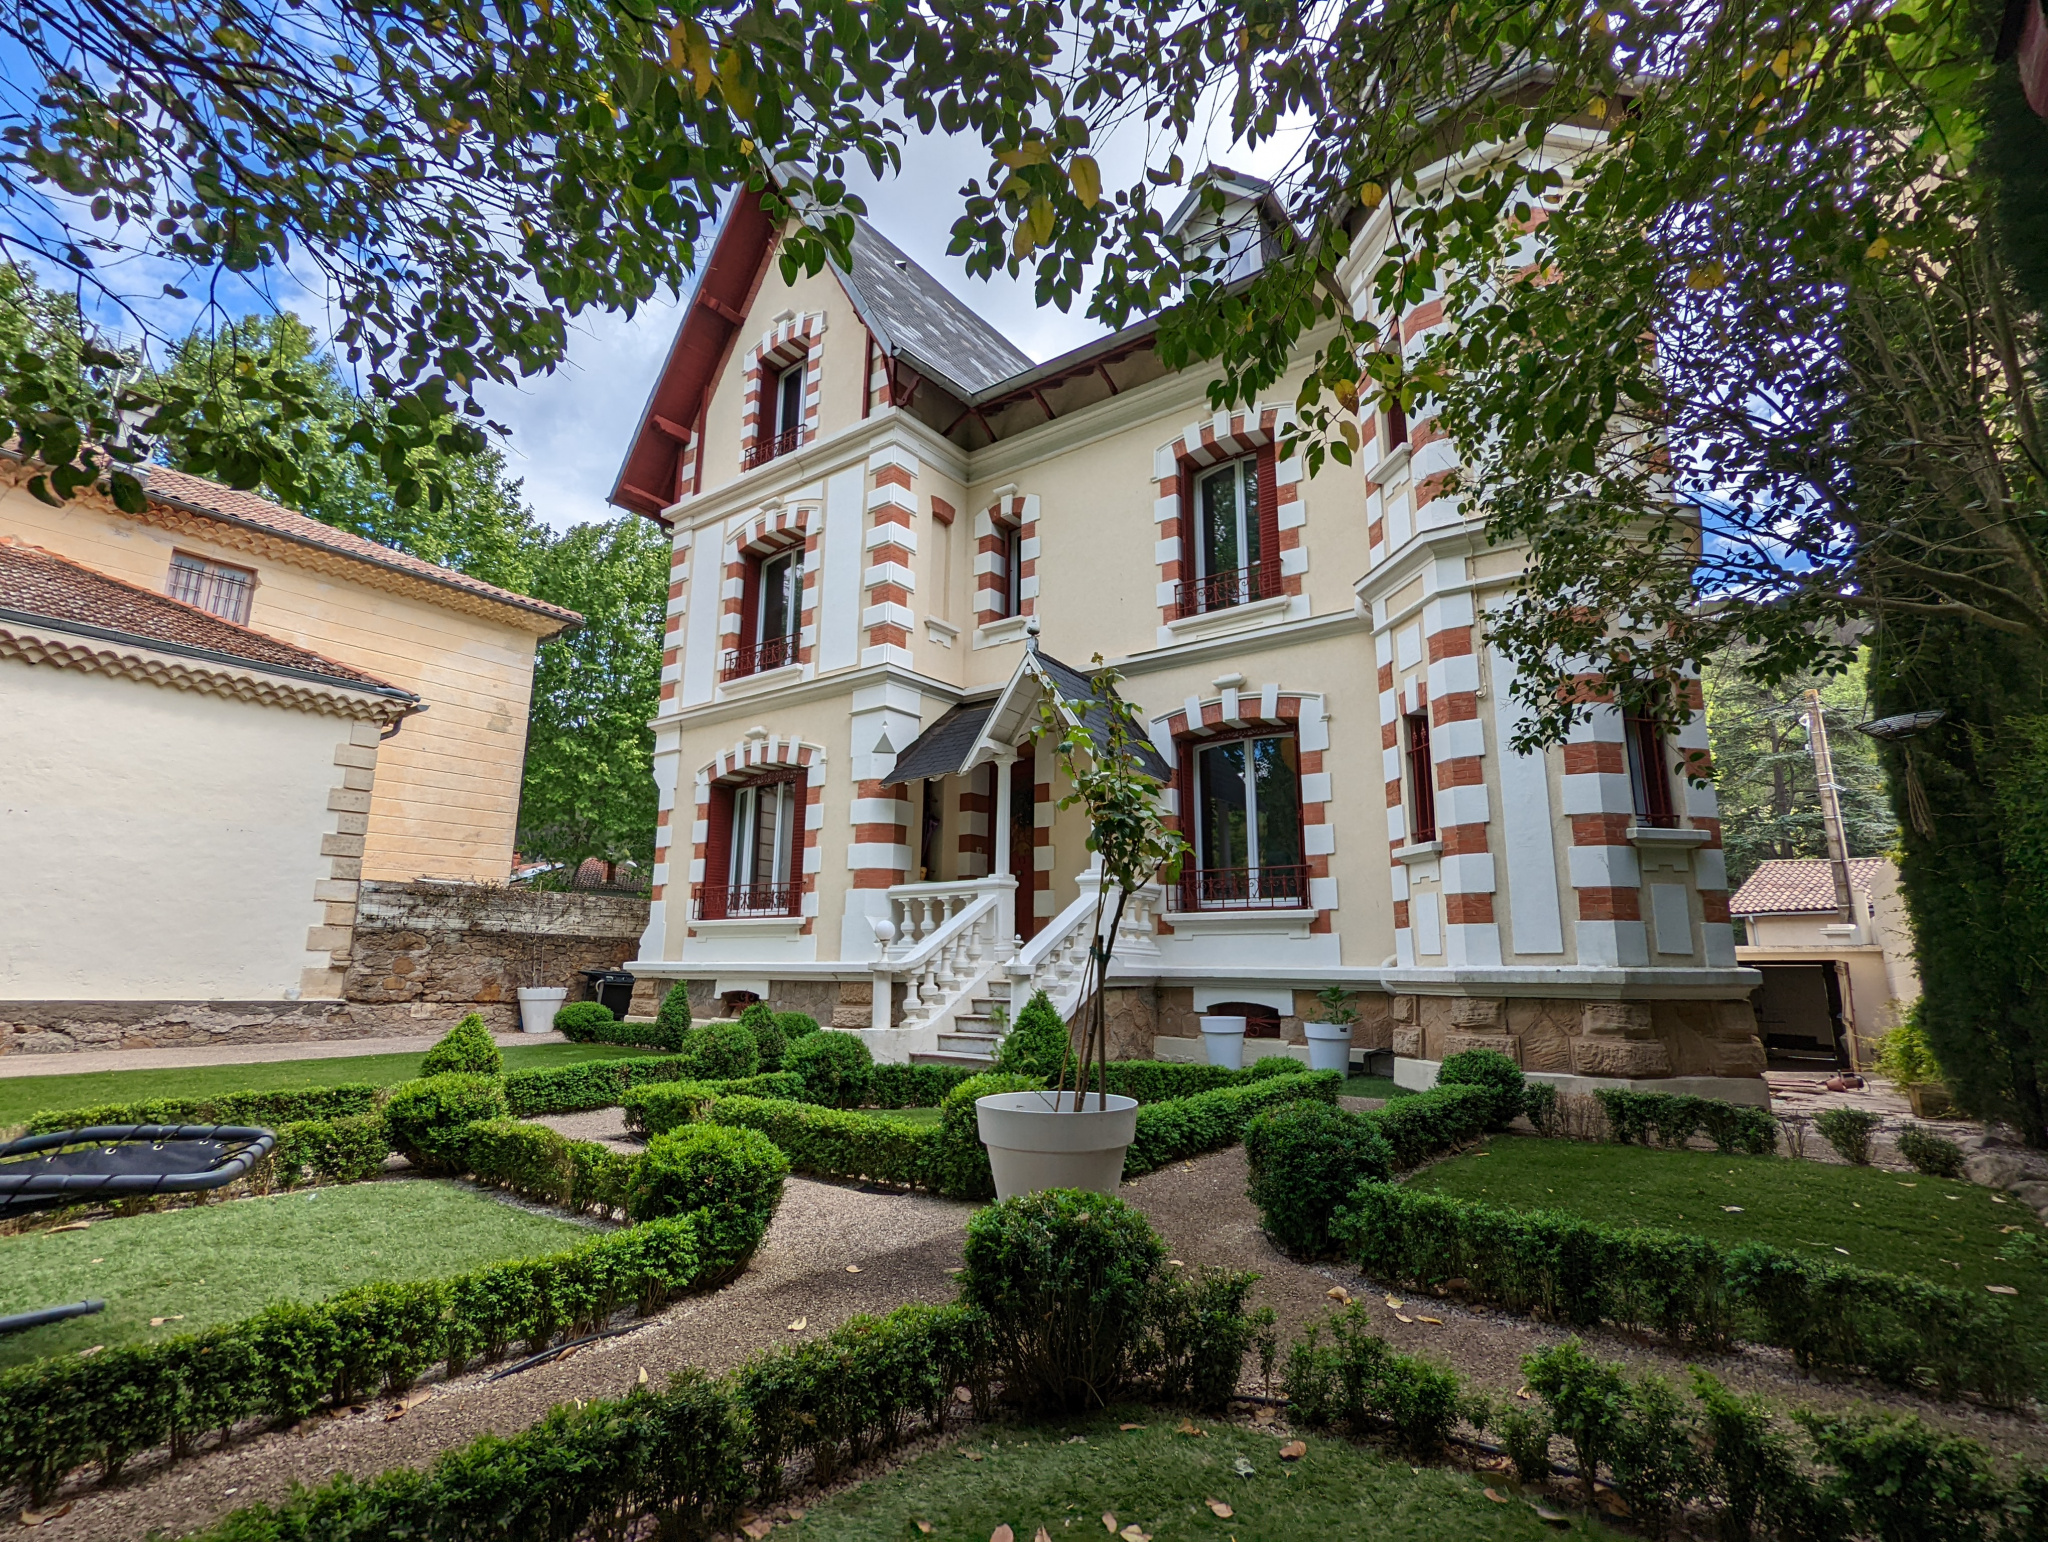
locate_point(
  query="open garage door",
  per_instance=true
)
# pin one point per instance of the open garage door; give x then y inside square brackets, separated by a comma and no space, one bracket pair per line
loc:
[1799,1015]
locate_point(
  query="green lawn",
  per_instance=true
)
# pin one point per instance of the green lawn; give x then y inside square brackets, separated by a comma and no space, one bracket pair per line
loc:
[1066,1476]
[1941,1229]
[24,1096]
[222,1262]
[1370,1087]
[918,1116]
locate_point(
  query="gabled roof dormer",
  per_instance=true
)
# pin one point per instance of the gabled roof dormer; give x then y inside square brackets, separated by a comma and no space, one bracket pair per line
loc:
[1240,237]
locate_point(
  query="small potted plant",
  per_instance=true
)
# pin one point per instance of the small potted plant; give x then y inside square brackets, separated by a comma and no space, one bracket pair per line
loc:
[1329,1040]
[1223,1039]
[538,1003]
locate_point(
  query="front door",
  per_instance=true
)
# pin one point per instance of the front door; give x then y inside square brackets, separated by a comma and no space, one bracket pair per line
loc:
[1023,855]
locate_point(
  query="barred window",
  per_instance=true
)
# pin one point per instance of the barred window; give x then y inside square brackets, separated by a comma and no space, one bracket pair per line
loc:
[214,587]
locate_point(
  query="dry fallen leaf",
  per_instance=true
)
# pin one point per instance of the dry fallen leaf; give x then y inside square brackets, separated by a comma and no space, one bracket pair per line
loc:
[1399,1318]
[37,1517]
[1041,1535]
[1733,1209]
[1130,1426]
[1294,1450]
[74,1226]
[92,1351]
[1499,1499]
[1002,1533]
[1394,1302]
[1436,1320]
[853,1268]
[972,1456]
[799,1325]
[1339,1294]
[643,1375]
[158,1322]
[406,1405]
[1265,1415]
[1549,1516]
[923,1526]
[2002,1290]
[758,1527]
[1131,1533]
[1176,1263]
[1523,1394]
[1109,1523]
[1187,1427]
[1219,1509]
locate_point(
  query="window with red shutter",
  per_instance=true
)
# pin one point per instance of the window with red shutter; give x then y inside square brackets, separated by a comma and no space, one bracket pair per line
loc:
[1421,779]
[1649,774]
[1230,535]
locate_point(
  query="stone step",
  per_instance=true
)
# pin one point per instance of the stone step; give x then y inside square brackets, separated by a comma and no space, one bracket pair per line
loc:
[969,1043]
[929,1057]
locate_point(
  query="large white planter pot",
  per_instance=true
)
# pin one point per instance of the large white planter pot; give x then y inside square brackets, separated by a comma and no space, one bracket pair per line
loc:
[1038,1140]
[1223,1037]
[1329,1046]
[538,1005]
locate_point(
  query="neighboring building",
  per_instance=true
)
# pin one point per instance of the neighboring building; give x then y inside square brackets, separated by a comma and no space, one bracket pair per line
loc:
[1831,988]
[221,718]
[890,527]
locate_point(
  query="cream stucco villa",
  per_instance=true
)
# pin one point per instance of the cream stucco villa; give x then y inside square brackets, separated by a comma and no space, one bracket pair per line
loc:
[894,535]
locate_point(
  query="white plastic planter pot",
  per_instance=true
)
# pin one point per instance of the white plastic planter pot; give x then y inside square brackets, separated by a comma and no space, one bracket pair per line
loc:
[1329,1046]
[1039,1140]
[538,1005]
[1223,1037]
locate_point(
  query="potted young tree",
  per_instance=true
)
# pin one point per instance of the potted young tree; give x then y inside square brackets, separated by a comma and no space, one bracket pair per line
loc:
[538,1003]
[1075,1137]
[1329,1041]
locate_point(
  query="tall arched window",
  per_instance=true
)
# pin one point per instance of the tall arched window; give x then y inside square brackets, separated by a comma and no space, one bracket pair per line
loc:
[1245,798]
[751,852]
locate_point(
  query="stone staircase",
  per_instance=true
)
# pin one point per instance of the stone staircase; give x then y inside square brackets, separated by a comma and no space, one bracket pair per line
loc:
[972,1040]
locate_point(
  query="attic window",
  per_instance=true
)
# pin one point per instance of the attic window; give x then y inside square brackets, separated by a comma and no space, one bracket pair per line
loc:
[214,587]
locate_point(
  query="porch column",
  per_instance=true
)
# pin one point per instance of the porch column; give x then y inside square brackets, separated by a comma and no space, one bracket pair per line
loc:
[1000,865]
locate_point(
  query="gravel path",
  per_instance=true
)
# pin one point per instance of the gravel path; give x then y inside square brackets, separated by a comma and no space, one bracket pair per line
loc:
[600,1124]
[905,1246]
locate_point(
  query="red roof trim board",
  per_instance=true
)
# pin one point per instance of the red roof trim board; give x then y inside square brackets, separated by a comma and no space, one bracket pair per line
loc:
[1807,885]
[38,586]
[710,328]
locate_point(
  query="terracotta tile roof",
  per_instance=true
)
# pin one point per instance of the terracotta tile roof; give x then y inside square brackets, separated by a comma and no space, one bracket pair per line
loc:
[199,496]
[39,586]
[1788,888]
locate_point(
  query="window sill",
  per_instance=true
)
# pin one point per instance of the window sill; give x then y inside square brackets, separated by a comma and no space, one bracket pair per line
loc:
[1291,922]
[1653,835]
[1008,630]
[1391,465]
[766,680]
[944,633]
[751,926]
[1231,618]
[1421,851]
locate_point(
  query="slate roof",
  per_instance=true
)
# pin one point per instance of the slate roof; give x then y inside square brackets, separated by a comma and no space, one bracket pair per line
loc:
[1782,888]
[199,496]
[918,316]
[942,748]
[39,586]
[1074,685]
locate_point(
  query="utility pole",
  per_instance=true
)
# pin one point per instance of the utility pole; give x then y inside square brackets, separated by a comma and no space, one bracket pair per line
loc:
[1830,808]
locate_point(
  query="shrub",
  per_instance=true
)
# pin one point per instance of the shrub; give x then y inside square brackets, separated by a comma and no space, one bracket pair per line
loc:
[832,1142]
[769,1041]
[913,1086]
[1848,1130]
[1525,1435]
[718,1052]
[662,1106]
[1201,1334]
[1905,1056]
[729,1180]
[1208,1121]
[1748,1464]
[795,1025]
[428,1116]
[1433,1122]
[1038,1043]
[1655,1456]
[1492,1072]
[536,1163]
[1274,1065]
[266,1109]
[1359,1381]
[1306,1158]
[1063,1278]
[1587,1399]
[835,1067]
[1539,1102]
[586,1022]
[1930,1154]
[1735,1128]
[1901,1481]
[673,1015]
[467,1048]
[345,1150]
[590,1084]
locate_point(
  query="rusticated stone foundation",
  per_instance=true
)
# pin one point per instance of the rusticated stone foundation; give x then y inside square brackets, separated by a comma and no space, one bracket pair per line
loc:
[1623,1039]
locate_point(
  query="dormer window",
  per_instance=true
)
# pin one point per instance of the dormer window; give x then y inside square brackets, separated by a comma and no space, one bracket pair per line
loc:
[780,428]
[1235,547]
[215,587]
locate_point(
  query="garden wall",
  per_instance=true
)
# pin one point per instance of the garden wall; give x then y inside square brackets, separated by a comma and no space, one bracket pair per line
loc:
[423,955]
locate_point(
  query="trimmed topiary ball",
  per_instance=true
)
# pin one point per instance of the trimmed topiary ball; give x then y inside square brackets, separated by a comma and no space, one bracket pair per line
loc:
[730,1179]
[673,1016]
[1038,1043]
[795,1025]
[1849,1130]
[1065,1278]
[718,1052]
[835,1067]
[768,1037]
[584,1022]
[428,1117]
[468,1048]
[1930,1154]
[1493,1071]
[1306,1158]
[1274,1065]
